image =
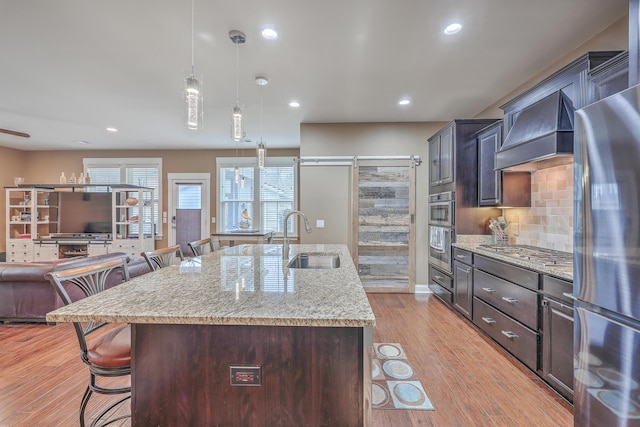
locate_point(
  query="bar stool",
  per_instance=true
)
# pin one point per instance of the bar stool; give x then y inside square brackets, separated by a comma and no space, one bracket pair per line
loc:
[105,348]
[201,246]
[164,257]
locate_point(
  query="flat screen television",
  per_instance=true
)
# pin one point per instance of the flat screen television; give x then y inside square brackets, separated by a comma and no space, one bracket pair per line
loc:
[84,212]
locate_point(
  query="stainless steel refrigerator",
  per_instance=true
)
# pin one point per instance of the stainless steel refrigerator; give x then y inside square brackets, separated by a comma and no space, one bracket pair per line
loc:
[607,262]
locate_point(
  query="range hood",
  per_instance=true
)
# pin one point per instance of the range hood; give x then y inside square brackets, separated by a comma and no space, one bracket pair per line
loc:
[542,132]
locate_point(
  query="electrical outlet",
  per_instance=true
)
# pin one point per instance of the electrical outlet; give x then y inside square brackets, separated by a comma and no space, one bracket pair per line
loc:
[213,220]
[320,223]
[246,375]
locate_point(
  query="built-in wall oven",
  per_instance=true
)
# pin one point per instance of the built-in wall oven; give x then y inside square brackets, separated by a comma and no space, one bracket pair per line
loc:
[441,230]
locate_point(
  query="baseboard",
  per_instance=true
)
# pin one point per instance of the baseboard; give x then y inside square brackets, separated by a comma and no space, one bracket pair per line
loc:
[422,289]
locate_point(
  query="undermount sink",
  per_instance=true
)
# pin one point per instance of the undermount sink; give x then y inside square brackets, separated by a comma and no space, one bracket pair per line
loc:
[315,260]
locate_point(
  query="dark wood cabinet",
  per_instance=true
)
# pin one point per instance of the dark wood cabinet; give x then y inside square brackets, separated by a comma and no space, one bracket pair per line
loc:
[557,335]
[441,157]
[463,282]
[489,179]
[572,80]
[611,77]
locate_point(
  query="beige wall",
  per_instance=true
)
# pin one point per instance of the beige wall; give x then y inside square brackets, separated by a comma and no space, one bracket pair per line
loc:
[326,190]
[43,167]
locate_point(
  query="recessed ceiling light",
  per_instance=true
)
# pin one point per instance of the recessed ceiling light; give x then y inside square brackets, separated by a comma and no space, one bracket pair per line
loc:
[294,104]
[82,141]
[453,28]
[404,102]
[110,129]
[269,34]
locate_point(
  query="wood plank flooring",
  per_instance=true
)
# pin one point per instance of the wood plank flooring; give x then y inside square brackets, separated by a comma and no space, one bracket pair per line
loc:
[470,381]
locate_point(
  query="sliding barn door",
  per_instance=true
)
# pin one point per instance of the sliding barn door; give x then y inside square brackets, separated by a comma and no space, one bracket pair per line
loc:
[384,224]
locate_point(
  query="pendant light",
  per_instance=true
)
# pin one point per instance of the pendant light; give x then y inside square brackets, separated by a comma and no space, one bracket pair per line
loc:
[192,87]
[261,149]
[237,122]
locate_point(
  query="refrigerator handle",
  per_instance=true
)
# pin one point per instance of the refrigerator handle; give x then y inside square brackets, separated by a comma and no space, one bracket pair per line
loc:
[570,296]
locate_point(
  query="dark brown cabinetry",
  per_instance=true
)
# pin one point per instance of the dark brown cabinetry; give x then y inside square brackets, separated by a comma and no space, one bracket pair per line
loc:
[495,187]
[572,80]
[441,157]
[611,77]
[505,307]
[463,282]
[557,335]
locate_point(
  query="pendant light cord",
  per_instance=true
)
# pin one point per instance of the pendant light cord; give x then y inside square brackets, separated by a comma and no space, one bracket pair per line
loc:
[237,74]
[193,54]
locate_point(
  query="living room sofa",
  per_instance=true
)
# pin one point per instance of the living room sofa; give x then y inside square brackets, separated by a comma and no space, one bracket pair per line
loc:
[27,296]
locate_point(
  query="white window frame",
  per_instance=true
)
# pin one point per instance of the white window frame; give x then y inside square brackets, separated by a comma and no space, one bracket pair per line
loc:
[131,162]
[244,162]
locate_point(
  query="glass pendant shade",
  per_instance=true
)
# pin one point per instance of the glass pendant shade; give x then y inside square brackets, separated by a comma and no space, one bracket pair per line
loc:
[237,125]
[192,90]
[262,154]
[236,175]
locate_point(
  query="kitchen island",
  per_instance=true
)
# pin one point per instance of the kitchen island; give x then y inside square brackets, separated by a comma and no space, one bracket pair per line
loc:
[236,338]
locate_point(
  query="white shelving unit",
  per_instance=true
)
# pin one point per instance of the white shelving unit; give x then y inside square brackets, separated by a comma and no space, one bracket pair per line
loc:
[133,226]
[30,215]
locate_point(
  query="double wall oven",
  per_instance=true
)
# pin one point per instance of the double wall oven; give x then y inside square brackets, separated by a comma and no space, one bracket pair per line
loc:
[441,235]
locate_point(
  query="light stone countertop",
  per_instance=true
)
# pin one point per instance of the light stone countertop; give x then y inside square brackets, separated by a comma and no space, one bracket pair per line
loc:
[241,285]
[563,272]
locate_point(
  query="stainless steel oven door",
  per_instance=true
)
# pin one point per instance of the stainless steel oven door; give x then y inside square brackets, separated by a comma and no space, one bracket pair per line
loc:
[440,247]
[441,209]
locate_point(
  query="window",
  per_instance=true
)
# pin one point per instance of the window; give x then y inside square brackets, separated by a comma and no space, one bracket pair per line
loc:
[263,199]
[145,172]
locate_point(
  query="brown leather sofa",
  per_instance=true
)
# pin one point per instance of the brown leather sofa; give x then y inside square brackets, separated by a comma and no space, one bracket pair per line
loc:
[26,296]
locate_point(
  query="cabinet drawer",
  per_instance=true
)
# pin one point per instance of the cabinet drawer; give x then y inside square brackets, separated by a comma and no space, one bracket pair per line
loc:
[514,337]
[442,293]
[516,301]
[521,276]
[557,288]
[463,256]
[440,278]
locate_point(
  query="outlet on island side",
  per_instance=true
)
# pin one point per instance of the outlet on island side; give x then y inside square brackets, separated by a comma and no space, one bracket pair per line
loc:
[246,375]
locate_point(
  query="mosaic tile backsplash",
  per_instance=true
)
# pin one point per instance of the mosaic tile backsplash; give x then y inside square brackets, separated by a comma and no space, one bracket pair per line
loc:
[549,221]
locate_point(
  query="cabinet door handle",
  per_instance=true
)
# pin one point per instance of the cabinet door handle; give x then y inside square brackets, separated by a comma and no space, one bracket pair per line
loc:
[510,300]
[437,277]
[488,320]
[509,335]
[461,256]
[489,290]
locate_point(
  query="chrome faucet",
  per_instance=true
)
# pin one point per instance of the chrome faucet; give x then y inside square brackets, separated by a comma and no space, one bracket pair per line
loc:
[285,242]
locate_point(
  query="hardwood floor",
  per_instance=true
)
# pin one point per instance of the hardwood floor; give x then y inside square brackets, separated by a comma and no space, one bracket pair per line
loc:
[469,380]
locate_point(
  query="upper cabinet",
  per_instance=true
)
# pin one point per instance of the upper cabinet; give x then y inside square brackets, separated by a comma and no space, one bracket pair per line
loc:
[495,187]
[611,77]
[441,157]
[572,79]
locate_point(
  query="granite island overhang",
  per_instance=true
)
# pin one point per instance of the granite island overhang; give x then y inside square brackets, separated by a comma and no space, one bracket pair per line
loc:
[307,333]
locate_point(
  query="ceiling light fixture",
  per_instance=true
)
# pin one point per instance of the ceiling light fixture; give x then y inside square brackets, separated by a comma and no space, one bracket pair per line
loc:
[192,87]
[110,129]
[294,104]
[261,149]
[404,102]
[237,122]
[269,34]
[453,28]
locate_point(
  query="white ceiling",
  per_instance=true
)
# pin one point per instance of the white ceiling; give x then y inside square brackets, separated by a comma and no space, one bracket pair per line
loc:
[70,68]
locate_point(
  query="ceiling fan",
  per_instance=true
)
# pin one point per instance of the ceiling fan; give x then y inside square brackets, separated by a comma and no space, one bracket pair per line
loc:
[15,133]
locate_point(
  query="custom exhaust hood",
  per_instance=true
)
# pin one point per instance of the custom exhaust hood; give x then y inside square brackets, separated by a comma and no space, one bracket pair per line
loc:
[542,133]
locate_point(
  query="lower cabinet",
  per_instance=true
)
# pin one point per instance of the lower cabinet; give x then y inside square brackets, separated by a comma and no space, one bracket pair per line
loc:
[505,310]
[557,335]
[441,284]
[463,282]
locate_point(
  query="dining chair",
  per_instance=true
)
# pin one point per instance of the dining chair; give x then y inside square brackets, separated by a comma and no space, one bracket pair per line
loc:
[164,257]
[104,347]
[202,246]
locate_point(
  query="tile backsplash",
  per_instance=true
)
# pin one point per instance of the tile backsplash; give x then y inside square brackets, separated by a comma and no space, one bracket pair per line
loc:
[548,223]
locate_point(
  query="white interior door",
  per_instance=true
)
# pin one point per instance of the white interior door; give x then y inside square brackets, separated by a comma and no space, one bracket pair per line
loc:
[189,207]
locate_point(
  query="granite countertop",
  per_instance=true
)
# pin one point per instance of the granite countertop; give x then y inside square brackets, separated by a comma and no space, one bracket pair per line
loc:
[563,272]
[241,285]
